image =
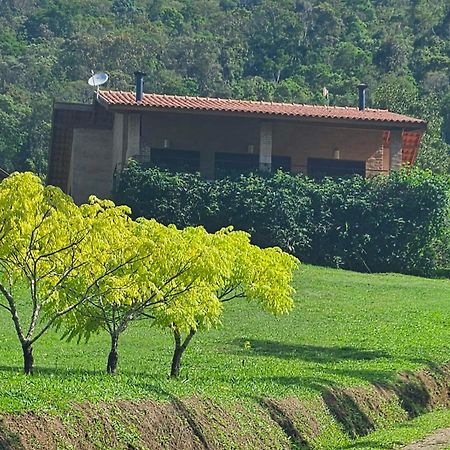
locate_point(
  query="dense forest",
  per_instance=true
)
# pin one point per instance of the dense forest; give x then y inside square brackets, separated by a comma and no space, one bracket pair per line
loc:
[280,50]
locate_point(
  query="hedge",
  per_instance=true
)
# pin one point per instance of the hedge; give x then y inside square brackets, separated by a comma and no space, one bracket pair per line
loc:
[395,223]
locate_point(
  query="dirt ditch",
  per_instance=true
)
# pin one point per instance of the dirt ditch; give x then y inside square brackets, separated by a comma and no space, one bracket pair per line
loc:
[196,423]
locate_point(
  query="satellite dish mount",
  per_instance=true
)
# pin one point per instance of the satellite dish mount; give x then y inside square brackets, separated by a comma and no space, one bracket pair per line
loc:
[97,79]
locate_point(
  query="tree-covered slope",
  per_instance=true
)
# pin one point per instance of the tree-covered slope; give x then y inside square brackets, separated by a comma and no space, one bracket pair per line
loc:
[281,50]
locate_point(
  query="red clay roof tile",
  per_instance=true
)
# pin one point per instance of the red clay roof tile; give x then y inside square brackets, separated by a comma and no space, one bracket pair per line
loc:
[158,101]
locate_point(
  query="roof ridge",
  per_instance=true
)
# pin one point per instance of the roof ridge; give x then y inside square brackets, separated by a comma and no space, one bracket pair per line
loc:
[237,100]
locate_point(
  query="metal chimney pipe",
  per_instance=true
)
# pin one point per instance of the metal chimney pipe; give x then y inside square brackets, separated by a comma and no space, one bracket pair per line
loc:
[362,96]
[139,85]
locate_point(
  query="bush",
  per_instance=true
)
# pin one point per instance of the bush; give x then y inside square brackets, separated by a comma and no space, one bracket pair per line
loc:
[181,199]
[382,224]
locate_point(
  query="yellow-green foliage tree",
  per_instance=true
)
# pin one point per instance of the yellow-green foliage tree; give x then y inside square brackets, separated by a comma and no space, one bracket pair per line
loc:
[41,234]
[93,267]
[261,276]
[112,277]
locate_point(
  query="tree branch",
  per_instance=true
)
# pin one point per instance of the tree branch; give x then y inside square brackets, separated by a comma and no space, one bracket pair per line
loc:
[13,311]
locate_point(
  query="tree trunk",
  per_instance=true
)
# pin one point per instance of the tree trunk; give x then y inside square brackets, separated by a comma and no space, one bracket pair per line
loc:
[113,356]
[27,358]
[178,351]
[176,361]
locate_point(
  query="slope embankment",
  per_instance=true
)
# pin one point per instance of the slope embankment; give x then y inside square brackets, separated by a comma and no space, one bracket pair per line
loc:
[196,423]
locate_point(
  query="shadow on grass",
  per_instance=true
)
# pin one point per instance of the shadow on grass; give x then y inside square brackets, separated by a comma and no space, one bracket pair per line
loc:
[327,356]
[322,385]
[384,378]
[77,372]
[52,371]
[321,355]
[310,353]
[366,445]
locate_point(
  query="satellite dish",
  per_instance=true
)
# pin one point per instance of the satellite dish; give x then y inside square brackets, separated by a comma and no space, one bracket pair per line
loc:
[98,79]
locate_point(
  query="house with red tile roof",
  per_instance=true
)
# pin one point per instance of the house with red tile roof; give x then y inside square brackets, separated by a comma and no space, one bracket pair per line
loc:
[213,136]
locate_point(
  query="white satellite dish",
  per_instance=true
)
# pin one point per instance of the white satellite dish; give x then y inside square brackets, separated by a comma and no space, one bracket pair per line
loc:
[98,79]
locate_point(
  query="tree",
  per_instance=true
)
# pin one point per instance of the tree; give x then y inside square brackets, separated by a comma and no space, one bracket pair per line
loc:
[13,136]
[258,275]
[397,93]
[123,8]
[41,233]
[111,278]
[277,46]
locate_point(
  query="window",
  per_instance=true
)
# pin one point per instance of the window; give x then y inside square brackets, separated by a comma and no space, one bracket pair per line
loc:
[319,168]
[176,160]
[281,162]
[237,163]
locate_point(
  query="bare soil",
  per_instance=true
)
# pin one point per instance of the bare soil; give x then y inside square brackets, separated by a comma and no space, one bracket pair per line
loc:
[437,441]
[191,424]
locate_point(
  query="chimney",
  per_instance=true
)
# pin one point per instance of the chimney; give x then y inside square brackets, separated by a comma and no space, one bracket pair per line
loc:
[139,85]
[362,96]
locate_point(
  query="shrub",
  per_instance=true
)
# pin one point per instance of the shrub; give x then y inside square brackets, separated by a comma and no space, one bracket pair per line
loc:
[396,223]
[384,223]
[181,199]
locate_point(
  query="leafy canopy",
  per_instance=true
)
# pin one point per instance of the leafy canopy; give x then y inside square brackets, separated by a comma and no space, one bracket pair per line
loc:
[42,231]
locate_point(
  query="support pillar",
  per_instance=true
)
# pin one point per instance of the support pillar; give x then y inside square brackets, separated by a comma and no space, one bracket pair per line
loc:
[265,147]
[118,140]
[395,150]
[207,164]
[133,135]
[386,155]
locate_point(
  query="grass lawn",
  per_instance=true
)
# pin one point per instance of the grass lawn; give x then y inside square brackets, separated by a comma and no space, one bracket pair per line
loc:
[346,329]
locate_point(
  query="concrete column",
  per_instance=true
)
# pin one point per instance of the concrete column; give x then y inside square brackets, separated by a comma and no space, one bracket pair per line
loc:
[395,150]
[265,147]
[118,141]
[133,135]
[207,164]
[386,157]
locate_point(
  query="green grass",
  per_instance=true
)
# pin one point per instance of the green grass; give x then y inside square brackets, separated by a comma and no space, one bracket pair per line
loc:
[346,329]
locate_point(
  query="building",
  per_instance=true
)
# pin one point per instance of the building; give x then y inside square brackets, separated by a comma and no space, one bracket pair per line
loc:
[90,143]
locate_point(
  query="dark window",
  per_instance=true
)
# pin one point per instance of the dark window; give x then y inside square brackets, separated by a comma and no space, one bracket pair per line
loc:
[281,162]
[176,160]
[319,168]
[235,163]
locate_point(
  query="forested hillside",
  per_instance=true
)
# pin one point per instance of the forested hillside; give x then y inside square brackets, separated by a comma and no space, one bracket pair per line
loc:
[280,50]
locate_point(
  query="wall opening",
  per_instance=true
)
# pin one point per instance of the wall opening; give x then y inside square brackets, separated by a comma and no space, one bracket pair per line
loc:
[319,168]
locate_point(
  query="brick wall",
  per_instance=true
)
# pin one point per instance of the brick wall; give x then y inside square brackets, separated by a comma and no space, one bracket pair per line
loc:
[65,119]
[375,163]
